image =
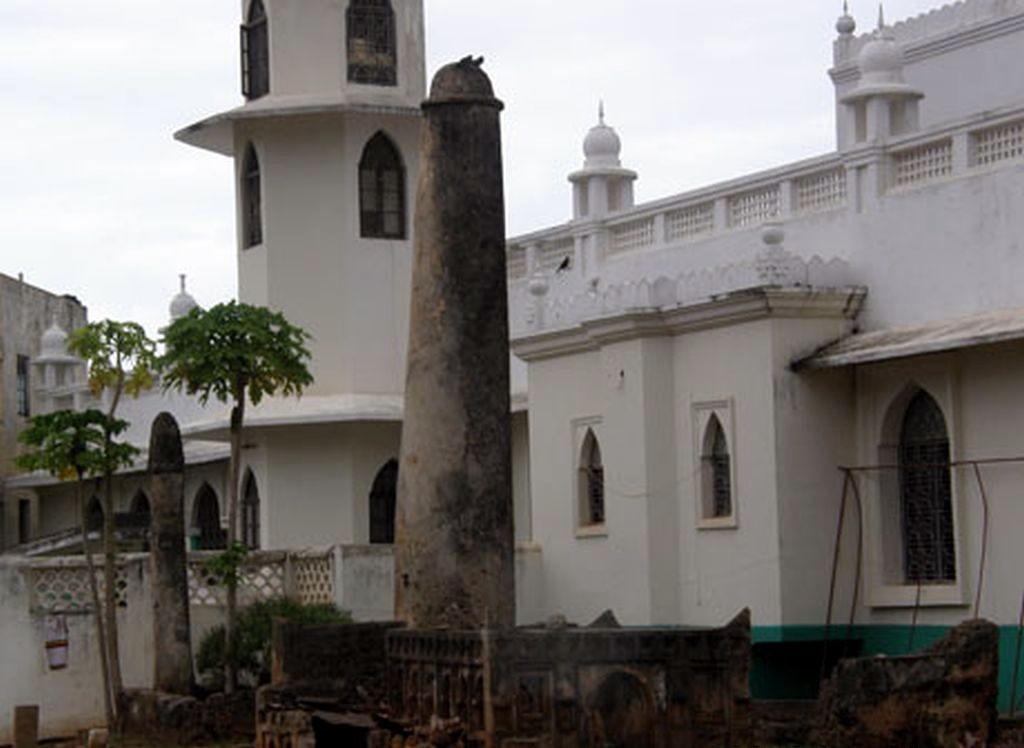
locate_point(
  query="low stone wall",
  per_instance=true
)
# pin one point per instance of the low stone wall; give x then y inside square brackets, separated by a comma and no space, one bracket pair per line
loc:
[945,696]
[185,720]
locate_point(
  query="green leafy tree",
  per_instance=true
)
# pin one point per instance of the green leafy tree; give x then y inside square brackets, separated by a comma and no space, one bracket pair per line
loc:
[121,360]
[235,353]
[79,445]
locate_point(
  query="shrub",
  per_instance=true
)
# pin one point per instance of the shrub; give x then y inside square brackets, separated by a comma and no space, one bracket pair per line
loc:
[252,637]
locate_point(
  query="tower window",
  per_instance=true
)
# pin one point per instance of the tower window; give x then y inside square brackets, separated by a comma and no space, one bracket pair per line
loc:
[252,210]
[382,504]
[255,53]
[716,472]
[590,482]
[94,515]
[206,521]
[371,43]
[926,506]
[251,513]
[23,386]
[381,190]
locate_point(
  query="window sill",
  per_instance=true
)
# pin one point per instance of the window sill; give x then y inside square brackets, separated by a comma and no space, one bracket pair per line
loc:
[719,523]
[906,596]
[592,531]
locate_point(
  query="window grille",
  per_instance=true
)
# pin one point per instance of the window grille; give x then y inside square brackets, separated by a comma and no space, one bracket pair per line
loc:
[23,386]
[251,513]
[382,504]
[717,472]
[690,222]
[381,190]
[255,53]
[923,164]
[371,43]
[757,206]
[926,505]
[821,191]
[999,143]
[591,482]
[252,205]
[628,237]
[206,521]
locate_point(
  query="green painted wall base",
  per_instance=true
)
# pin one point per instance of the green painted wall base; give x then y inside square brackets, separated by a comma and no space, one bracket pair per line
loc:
[787,660]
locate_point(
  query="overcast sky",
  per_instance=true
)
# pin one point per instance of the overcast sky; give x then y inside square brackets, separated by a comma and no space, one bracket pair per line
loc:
[98,200]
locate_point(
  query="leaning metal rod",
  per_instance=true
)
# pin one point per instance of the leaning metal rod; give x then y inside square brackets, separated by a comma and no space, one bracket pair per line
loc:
[1016,660]
[860,556]
[984,539]
[835,573]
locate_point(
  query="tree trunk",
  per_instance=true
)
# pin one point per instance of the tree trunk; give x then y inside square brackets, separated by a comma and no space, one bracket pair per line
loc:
[96,607]
[110,580]
[234,471]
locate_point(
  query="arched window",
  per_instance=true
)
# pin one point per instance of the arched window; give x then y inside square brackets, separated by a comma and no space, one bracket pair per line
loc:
[94,515]
[206,521]
[255,52]
[382,504]
[140,510]
[381,190]
[371,43]
[250,512]
[590,482]
[251,194]
[716,472]
[926,505]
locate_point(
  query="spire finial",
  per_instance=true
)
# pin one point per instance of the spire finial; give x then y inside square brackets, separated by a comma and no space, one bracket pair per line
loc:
[846,7]
[600,111]
[181,278]
[881,16]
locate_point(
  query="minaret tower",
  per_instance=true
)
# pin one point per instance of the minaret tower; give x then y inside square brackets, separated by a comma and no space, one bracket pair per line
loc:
[325,154]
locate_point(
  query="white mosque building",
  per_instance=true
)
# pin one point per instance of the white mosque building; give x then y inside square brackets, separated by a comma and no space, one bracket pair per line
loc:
[797,391]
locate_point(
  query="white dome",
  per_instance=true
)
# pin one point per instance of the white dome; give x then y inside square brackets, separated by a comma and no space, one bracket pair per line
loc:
[54,341]
[182,303]
[881,59]
[846,24]
[602,145]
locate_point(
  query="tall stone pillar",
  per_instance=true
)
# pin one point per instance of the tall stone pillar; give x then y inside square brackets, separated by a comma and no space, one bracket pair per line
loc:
[454,540]
[172,645]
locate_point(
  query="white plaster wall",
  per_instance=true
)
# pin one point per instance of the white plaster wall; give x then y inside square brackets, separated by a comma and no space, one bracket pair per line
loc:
[69,699]
[724,570]
[308,52]
[521,477]
[350,294]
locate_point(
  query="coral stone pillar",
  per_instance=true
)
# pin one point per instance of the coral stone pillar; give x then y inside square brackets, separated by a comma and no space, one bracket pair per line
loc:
[172,650]
[454,540]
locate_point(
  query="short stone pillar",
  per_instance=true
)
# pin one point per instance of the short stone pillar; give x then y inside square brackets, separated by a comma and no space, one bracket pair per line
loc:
[26,726]
[172,664]
[454,538]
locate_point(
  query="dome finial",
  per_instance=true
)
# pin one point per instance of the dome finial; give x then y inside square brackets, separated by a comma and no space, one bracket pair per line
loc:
[600,111]
[881,17]
[846,25]
[183,303]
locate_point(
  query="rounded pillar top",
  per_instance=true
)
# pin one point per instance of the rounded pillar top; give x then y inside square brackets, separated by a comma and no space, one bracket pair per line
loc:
[846,25]
[182,303]
[602,146]
[462,82]
[54,341]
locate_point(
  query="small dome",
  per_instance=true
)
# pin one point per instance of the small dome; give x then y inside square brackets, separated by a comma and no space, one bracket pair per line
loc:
[881,59]
[182,303]
[846,24]
[54,341]
[462,80]
[602,145]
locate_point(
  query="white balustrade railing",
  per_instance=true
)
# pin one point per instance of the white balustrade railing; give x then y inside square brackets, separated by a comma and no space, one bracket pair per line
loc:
[1000,143]
[755,207]
[690,222]
[821,191]
[922,163]
[631,236]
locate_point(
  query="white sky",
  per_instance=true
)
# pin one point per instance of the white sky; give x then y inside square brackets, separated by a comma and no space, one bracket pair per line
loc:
[98,200]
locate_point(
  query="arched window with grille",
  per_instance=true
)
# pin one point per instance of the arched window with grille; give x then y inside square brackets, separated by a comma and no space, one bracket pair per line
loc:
[94,514]
[926,504]
[716,472]
[255,52]
[382,504]
[250,512]
[252,199]
[206,527]
[590,482]
[381,190]
[140,509]
[372,59]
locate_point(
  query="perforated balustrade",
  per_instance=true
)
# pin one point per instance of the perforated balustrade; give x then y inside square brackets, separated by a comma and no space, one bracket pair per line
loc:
[65,589]
[754,207]
[693,221]
[1000,143]
[923,164]
[629,237]
[821,191]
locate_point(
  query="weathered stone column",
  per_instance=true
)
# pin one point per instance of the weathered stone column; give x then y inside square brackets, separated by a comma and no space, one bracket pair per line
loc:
[454,539]
[172,650]
[26,726]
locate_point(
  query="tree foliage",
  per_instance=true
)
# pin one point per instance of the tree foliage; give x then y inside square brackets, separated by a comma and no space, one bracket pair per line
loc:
[73,444]
[120,356]
[233,349]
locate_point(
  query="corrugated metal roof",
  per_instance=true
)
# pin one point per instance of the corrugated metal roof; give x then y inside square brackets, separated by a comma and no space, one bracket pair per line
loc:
[933,337]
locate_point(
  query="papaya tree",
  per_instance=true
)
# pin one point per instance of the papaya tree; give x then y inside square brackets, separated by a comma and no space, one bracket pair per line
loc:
[80,445]
[121,360]
[237,354]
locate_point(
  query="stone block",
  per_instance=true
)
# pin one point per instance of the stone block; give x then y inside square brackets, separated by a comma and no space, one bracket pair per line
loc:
[26,726]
